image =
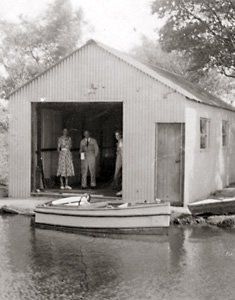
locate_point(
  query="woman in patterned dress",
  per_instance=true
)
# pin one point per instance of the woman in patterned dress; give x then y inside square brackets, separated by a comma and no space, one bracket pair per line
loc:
[65,164]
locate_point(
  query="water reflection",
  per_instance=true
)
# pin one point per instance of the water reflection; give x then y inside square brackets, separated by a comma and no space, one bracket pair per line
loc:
[99,263]
[177,249]
[43,264]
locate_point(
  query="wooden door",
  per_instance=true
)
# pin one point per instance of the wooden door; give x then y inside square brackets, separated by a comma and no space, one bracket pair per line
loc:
[170,162]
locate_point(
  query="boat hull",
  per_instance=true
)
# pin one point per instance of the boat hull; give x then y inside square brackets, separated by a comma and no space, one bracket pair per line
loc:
[212,207]
[145,219]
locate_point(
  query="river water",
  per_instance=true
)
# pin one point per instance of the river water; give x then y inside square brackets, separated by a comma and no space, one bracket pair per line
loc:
[189,263]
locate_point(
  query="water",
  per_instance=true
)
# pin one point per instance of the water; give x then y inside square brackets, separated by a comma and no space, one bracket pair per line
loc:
[190,263]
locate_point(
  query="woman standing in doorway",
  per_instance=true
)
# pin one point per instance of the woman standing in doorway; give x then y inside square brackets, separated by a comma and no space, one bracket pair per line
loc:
[65,165]
[118,165]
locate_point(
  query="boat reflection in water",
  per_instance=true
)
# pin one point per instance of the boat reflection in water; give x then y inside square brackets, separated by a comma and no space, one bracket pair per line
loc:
[47,264]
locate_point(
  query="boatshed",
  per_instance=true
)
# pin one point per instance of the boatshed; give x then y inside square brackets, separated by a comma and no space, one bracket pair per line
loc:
[178,141]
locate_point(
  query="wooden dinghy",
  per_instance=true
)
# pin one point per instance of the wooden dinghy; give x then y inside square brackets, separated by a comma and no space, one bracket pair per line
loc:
[74,214]
[213,207]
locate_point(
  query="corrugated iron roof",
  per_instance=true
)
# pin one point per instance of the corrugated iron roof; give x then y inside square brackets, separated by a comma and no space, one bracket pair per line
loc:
[190,90]
[178,83]
[195,89]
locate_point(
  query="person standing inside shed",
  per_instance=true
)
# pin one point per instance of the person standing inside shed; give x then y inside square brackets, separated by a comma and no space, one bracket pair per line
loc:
[89,151]
[118,164]
[65,163]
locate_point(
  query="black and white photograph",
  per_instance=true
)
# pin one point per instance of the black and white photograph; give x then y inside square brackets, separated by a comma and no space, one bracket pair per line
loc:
[117,149]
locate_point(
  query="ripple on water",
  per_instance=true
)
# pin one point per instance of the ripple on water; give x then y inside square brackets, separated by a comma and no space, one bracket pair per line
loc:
[192,263]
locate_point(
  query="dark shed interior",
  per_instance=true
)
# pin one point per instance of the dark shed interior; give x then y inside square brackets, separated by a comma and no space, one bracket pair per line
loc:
[48,121]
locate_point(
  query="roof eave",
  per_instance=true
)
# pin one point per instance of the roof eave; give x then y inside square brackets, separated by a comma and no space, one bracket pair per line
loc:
[137,65]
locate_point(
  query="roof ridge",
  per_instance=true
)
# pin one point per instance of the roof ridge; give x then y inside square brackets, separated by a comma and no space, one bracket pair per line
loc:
[160,68]
[174,81]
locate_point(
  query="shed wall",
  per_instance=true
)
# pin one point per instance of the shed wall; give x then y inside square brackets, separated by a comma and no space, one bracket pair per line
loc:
[208,170]
[145,102]
[19,147]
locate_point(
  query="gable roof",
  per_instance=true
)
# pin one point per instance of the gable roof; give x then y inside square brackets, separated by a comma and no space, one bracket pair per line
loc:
[176,82]
[190,90]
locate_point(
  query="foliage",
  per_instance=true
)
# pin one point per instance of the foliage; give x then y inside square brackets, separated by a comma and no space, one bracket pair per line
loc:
[31,45]
[219,85]
[202,30]
[3,115]
[3,142]
[151,53]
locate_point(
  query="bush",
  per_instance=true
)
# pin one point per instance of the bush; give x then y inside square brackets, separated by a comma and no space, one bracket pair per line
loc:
[3,142]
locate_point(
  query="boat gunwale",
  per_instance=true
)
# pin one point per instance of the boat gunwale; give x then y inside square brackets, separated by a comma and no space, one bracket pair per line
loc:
[215,202]
[102,216]
[88,208]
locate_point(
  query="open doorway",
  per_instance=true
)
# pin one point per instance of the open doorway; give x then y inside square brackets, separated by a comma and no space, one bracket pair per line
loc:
[48,121]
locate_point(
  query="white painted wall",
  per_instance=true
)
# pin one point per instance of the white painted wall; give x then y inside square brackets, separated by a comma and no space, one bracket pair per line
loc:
[19,148]
[145,102]
[207,170]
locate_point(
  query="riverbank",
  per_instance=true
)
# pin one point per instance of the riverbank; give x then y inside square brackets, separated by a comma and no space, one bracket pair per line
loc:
[180,216]
[27,206]
[21,206]
[223,221]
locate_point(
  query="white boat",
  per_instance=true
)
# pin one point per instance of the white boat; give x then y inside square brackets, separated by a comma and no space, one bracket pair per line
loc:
[76,214]
[213,207]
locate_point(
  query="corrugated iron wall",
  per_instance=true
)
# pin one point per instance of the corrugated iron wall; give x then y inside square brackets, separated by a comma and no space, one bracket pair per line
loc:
[19,147]
[211,169]
[92,75]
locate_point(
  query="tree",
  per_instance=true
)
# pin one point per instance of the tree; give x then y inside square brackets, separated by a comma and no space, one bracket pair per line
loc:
[32,45]
[219,85]
[151,53]
[202,30]
[3,142]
